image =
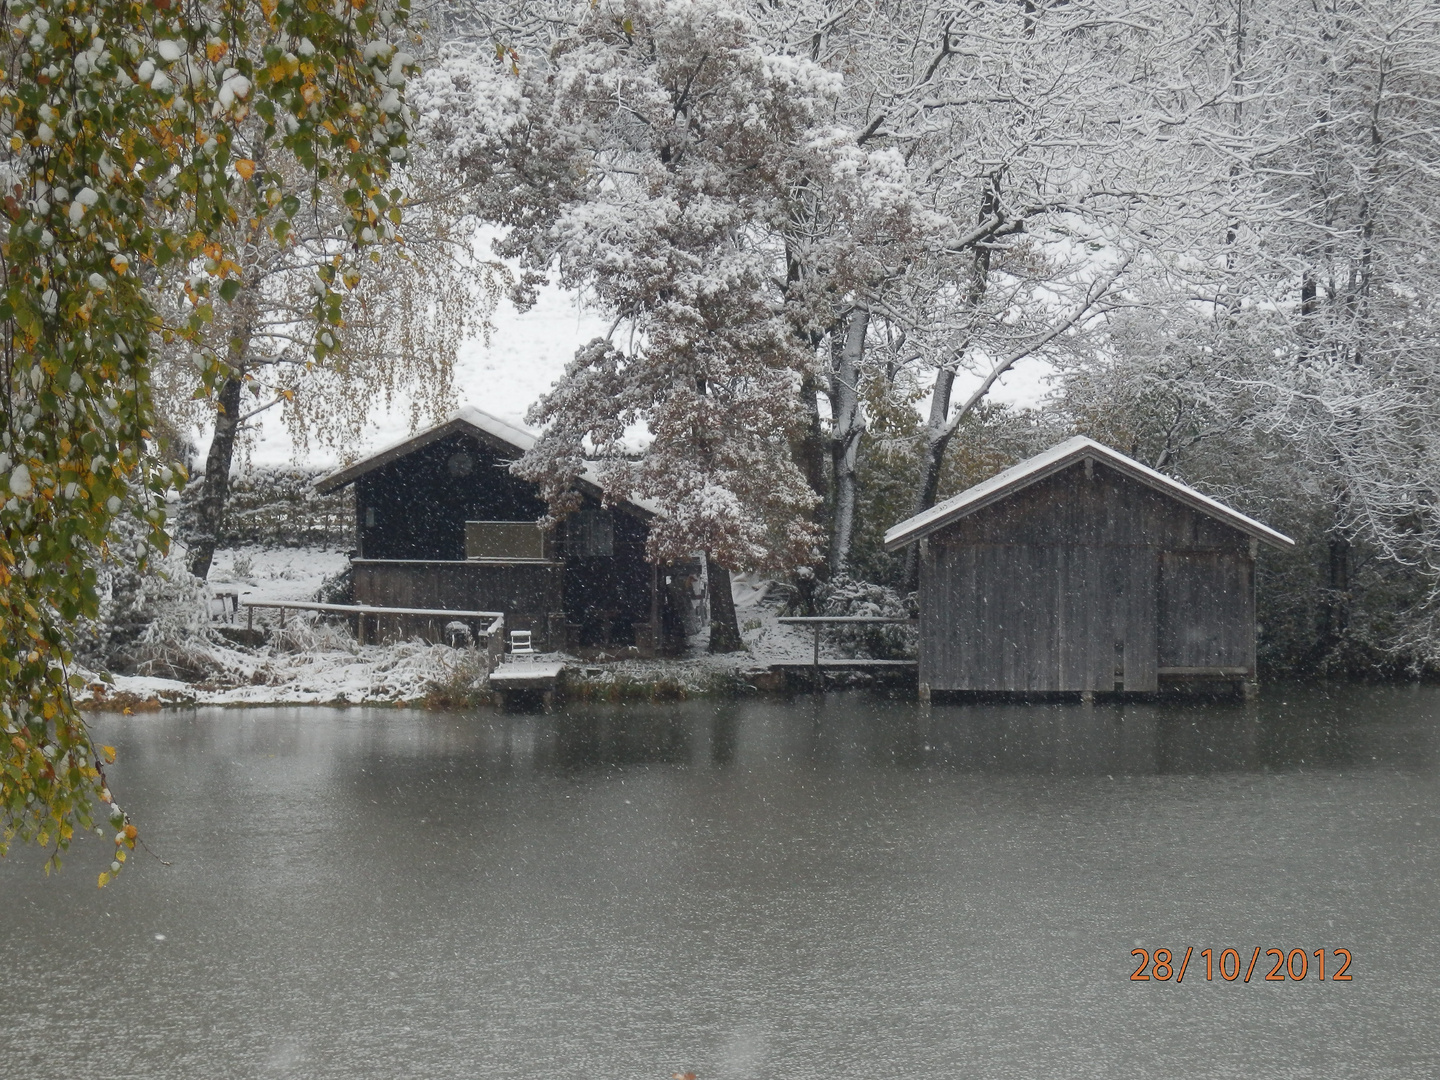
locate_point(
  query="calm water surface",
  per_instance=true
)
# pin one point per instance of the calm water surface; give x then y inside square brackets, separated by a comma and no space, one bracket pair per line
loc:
[845,886]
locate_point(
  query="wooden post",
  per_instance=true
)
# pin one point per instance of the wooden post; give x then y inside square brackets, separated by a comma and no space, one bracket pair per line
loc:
[655,641]
[815,678]
[249,618]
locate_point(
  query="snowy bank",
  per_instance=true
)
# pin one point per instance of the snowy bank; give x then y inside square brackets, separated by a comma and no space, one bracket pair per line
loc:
[312,662]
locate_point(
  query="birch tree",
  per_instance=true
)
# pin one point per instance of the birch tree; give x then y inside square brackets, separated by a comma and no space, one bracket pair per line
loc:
[406,302]
[122,154]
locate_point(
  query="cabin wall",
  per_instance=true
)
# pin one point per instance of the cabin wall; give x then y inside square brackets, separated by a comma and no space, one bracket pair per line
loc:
[1059,587]
[607,597]
[411,524]
[529,595]
[415,507]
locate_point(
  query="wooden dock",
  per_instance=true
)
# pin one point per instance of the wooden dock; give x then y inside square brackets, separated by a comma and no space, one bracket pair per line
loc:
[535,676]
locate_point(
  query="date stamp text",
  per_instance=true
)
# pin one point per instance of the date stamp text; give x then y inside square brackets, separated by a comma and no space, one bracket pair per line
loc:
[1293,965]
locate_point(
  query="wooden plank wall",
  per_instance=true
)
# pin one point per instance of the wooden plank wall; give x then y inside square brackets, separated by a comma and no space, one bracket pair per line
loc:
[1058,588]
[1207,609]
[527,594]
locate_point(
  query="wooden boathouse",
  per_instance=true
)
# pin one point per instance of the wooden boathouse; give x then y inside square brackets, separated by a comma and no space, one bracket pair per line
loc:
[1082,570]
[442,523]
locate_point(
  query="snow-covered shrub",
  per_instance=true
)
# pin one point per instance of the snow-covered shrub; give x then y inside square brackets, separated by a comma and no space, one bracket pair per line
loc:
[277,507]
[135,591]
[308,632]
[337,588]
[462,681]
[179,639]
[880,641]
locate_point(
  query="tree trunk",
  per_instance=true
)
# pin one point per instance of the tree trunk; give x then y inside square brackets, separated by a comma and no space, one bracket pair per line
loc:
[847,426]
[1335,603]
[724,627]
[809,449]
[932,456]
[215,487]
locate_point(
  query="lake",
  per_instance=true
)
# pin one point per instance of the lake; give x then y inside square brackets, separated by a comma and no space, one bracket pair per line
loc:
[837,886]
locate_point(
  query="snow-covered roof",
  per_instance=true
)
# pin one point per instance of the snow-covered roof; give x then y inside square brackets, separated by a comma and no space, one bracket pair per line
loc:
[491,429]
[1057,458]
[468,418]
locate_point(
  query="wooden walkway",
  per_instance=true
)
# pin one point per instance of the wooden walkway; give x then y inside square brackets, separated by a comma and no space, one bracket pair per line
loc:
[542,676]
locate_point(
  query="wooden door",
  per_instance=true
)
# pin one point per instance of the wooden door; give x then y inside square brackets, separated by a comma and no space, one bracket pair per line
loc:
[1206,613]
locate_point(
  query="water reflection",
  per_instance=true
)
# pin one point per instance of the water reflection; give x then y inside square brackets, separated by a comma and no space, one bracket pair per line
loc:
[1305,729]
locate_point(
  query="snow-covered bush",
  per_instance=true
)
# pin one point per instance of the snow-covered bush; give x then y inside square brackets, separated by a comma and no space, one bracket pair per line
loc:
[307,632]
[277,507]
[338,588]
[158,622]
[881,641]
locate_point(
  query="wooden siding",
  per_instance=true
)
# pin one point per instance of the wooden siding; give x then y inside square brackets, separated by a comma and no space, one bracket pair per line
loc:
[420,508]
[608,596]
[1207,610]
[528,594]
[1059,588]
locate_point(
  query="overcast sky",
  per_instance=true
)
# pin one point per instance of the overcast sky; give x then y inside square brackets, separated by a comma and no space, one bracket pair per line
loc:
[526,354]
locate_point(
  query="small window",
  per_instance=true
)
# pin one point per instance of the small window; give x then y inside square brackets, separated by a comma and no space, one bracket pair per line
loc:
[461,464]
[369,517]
[592,533]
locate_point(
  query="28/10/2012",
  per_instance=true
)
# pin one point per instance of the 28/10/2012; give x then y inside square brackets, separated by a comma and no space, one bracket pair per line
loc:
[1293,966]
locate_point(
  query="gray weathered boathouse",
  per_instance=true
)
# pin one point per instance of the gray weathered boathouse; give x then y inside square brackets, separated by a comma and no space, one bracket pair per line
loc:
[1082,570]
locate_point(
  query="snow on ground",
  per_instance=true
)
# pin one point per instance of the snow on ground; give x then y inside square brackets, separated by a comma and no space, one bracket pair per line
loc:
[312,662]
[258,573]
[316,664]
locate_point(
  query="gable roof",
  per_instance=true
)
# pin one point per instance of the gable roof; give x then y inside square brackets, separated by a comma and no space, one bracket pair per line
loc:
[490,429]
[1056,459]
[497,433]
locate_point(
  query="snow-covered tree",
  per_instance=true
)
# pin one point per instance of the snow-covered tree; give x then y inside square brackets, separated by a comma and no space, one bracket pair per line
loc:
[686,176]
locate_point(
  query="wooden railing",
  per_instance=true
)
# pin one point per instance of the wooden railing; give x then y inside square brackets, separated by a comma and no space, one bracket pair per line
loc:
[820,621]
[494,633]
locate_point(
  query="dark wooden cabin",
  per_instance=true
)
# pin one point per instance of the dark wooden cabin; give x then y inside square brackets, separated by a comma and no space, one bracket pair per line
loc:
[442,523]
[1083,570]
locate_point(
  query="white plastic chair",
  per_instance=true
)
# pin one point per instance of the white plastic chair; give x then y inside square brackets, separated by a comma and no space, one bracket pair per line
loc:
[520,644]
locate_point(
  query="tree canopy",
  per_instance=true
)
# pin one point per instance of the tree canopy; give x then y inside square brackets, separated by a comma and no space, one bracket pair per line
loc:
[122,156]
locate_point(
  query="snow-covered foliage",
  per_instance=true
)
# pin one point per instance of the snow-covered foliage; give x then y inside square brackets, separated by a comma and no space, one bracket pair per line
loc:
[276,507]
[884,641]
[667,160]
[1216,218]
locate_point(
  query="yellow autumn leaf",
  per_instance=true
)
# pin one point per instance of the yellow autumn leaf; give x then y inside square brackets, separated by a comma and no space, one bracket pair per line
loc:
[245,167]
[109,752]
[104,879]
